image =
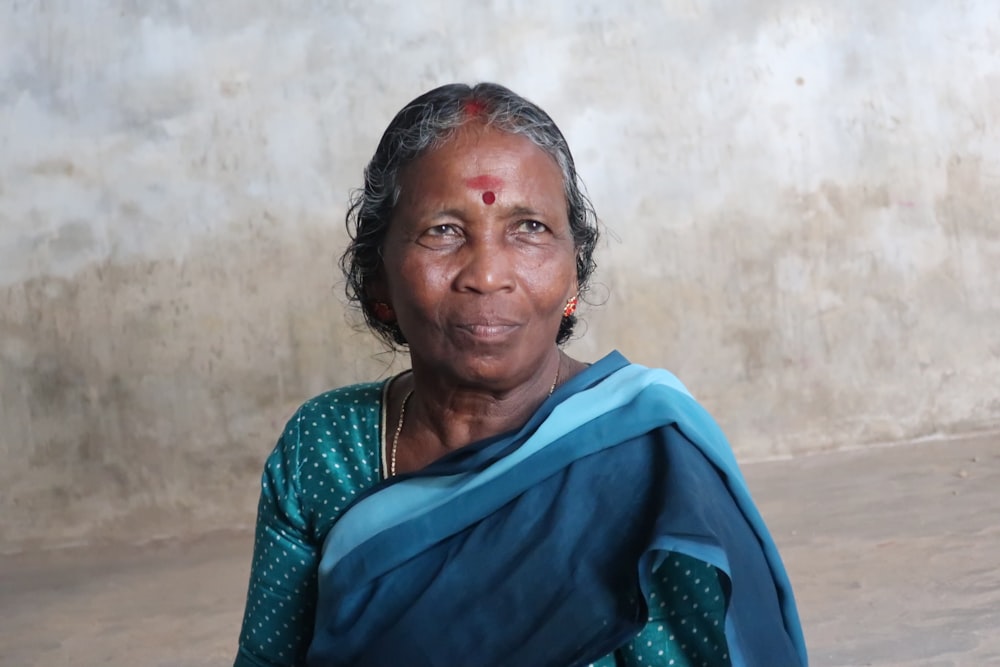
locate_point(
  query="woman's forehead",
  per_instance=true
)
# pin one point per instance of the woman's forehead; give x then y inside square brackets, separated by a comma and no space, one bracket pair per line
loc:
[486,168]
[480,154]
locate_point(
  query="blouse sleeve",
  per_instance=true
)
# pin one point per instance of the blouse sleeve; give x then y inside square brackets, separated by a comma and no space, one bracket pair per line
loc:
[686,626]
[281,601]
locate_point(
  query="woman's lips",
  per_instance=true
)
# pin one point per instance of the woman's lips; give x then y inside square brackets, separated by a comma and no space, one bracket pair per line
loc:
[488,330]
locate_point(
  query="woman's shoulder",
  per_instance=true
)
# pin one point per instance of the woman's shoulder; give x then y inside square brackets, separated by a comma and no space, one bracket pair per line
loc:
[349,398]
[334,402]
[329,453]
[336,418]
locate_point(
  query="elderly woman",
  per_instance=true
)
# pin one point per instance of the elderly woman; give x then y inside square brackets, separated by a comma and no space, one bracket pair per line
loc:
[501,503]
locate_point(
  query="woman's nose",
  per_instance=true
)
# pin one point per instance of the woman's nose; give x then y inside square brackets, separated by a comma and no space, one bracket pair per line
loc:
[487,267]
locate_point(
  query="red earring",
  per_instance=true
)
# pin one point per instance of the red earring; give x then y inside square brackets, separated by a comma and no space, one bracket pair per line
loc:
[570,307]
[383,312]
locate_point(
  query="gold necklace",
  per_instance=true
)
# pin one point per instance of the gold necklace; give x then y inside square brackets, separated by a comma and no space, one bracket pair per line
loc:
[395,436]
[402,415]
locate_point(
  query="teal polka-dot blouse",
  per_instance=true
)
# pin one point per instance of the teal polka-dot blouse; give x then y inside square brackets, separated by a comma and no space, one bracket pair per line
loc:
[327,455]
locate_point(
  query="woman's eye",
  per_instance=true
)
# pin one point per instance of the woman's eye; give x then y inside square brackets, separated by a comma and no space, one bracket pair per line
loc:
[441,236]
[441,230]
[531,227]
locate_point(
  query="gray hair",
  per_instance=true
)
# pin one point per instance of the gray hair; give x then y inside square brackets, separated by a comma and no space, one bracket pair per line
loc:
[424,124]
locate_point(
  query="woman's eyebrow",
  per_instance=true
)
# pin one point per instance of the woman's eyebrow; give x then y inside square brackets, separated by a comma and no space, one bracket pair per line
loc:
[450,213]
[523,211]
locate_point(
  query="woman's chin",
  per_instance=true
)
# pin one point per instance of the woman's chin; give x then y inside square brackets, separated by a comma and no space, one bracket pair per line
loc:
[481,370]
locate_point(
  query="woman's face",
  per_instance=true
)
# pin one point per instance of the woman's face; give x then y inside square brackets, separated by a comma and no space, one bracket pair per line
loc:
[479,259]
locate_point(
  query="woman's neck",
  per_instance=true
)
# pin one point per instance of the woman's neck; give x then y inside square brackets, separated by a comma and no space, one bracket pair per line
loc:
[442,415]
[456,415]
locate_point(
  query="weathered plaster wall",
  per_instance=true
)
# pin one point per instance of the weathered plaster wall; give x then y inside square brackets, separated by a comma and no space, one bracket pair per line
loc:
[800,198]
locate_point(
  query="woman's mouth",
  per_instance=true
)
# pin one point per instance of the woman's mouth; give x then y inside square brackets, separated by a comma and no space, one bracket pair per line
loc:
[488,330]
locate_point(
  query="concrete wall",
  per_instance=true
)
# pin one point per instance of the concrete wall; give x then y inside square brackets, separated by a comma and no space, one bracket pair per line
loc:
[800,201]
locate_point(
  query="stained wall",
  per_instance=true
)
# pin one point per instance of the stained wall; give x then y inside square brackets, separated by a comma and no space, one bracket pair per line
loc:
[799,203]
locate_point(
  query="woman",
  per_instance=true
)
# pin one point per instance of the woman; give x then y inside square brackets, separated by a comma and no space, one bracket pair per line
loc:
[501,503]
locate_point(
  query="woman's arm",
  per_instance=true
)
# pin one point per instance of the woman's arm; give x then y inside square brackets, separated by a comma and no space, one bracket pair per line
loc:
[686,625]
[281,601]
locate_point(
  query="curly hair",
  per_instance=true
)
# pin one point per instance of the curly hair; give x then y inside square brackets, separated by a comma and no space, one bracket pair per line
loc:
[424,124]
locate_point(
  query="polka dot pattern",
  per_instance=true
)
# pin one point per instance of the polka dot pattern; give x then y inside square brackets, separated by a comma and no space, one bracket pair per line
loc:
[686,625]
[327,456]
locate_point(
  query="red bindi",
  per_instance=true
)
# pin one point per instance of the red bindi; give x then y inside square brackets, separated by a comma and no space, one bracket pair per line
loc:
[489,197]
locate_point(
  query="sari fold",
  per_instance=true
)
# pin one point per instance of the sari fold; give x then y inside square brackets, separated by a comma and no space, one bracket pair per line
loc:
[538,547]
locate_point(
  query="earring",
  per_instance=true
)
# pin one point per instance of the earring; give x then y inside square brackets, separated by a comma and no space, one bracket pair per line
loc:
[383,312]
[570,307]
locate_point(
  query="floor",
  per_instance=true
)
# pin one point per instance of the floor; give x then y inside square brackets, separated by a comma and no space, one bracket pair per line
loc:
[894,553]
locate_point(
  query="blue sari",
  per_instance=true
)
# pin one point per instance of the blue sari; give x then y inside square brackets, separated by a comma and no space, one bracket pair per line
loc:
[538,547]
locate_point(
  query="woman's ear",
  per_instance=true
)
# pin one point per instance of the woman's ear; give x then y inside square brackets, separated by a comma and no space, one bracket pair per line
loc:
[377,302]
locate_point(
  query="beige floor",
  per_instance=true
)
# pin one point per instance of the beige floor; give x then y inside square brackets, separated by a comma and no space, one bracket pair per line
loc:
[895,554]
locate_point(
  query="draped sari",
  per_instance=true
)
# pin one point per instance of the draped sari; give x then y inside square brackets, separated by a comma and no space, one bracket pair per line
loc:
[538,547]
